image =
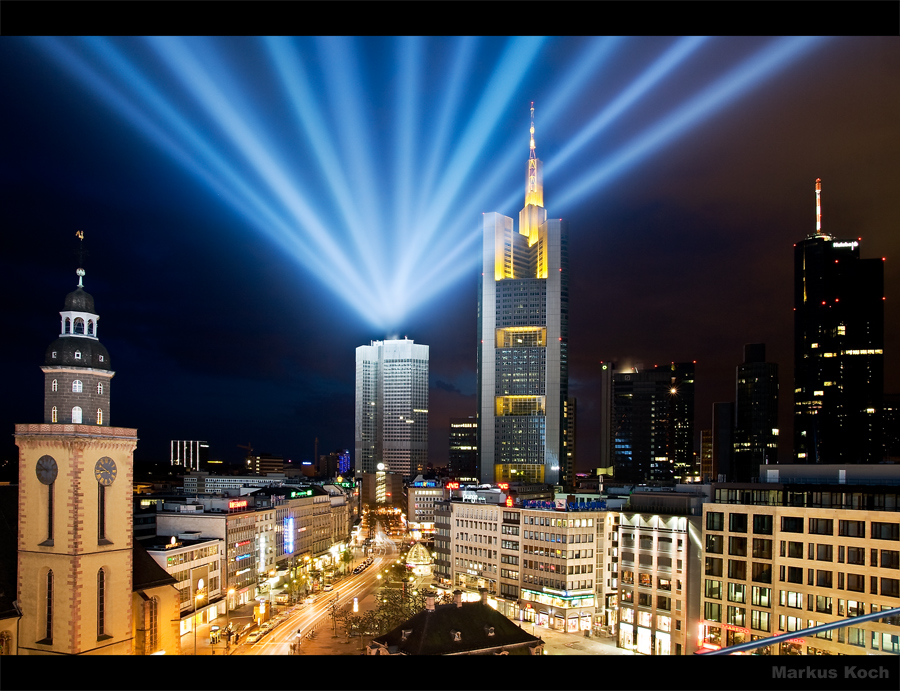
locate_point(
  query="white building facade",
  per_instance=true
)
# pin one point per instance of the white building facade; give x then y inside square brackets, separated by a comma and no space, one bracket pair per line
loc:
[391,423]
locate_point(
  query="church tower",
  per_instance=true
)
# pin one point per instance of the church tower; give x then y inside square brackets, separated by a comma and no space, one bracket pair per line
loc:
[75,501]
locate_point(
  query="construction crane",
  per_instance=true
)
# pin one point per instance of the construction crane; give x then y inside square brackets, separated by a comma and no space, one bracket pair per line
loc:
[249,447]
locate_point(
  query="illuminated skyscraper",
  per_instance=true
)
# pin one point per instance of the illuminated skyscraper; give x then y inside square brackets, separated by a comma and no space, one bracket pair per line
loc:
[523,331]
[653,418]
[463,464]
[392,407]
[838,350]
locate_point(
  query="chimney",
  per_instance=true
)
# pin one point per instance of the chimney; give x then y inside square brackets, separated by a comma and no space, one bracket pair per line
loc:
[484,595]
[457,597]
[429,602]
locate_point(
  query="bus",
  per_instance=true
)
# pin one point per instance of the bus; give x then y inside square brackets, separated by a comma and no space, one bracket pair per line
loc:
[327,584]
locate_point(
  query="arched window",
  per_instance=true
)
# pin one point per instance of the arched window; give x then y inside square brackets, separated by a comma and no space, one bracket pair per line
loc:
[99,416]
[101,603]
[54,386]
[153,625]
[48,609]
[79,325]
[90,327]
[76,415]
[76,386]
[77,354]
[100,389]
[5,643]
[53,415]
[68,325]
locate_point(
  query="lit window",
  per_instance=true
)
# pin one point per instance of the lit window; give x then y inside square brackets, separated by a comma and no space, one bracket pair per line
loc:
[54,386]
[76,386]
[53,414]
[99,416]
[77,354]
[76,415]
[100,389]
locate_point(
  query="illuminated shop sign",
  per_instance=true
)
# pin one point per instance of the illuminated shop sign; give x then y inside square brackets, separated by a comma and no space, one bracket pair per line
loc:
[851,245]
[237,504]
[597,505]
[303,493]
[289,535]
[452,485]
[426,483]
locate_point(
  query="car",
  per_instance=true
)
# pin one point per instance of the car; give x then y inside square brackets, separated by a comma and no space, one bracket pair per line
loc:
[308,601]
[254,636]
[265,626]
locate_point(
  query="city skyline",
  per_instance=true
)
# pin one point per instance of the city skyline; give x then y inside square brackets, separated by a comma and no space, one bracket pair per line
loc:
[684,254]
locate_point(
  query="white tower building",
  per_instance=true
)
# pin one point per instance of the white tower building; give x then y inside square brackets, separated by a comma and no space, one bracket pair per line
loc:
[392,407]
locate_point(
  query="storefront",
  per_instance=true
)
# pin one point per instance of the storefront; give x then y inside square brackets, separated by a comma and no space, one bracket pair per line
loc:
[560,610]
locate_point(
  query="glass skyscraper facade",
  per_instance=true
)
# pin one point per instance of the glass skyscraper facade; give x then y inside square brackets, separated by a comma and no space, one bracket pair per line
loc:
[523,332]
[391,422]
[838,350]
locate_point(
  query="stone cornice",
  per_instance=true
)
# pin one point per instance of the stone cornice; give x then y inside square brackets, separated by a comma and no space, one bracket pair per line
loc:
[64,430]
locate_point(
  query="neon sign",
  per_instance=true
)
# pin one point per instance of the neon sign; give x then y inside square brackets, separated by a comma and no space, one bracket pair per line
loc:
[289,535]
[452,485]
[503,485]
[238,504]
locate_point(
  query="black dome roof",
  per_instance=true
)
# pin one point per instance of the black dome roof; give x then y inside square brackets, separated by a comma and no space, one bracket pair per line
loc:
[65,346]
[80,301]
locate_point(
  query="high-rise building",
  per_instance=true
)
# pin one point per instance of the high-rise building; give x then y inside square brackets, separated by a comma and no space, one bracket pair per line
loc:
[392,407]
[653,417]
[193,455]
[755,414]
[569,410]
[838,350]
[463,464]
[607,430]
[892,427]
[523,331]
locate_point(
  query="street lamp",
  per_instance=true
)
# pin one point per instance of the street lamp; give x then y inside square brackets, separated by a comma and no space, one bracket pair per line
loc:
[197,596]
[228,602]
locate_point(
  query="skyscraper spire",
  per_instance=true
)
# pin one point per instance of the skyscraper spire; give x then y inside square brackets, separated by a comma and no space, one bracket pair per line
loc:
[818,206]
[534,186]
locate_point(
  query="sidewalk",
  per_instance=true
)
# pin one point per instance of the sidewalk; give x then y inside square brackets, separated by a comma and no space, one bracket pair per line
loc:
[562,643]
[238,617]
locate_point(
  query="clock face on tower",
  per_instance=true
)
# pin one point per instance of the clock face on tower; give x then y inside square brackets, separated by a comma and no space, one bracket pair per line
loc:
[46,469]
[105,471]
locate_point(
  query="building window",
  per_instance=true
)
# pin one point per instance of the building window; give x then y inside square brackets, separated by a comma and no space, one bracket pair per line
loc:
[68,326]
[77,354]
[792,524]
[737,522]
[48,611]
[101,512]
[53,414]
[885,531]
[76,386]
[821,526]
[100,358]
[762,524]
[99,416]
[76,415]
[100,389]
[715,520]
[54,386]
[101,603]
[5,643]
[852,528]
[90,327]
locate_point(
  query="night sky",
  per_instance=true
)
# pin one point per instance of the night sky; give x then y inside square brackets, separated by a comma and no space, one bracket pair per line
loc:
[225,325]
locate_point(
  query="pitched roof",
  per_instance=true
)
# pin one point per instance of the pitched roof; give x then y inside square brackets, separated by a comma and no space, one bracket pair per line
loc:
[432,632]
[145,571]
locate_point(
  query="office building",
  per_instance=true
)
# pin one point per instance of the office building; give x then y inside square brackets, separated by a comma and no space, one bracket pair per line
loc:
[392,407]
[463,465]
[891,422]
[755,414]
[422,498]
[653,417]
[607,430]
[193,455]
[523,332]
[569,412]
[660,571]
[838,349]
[804,546]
